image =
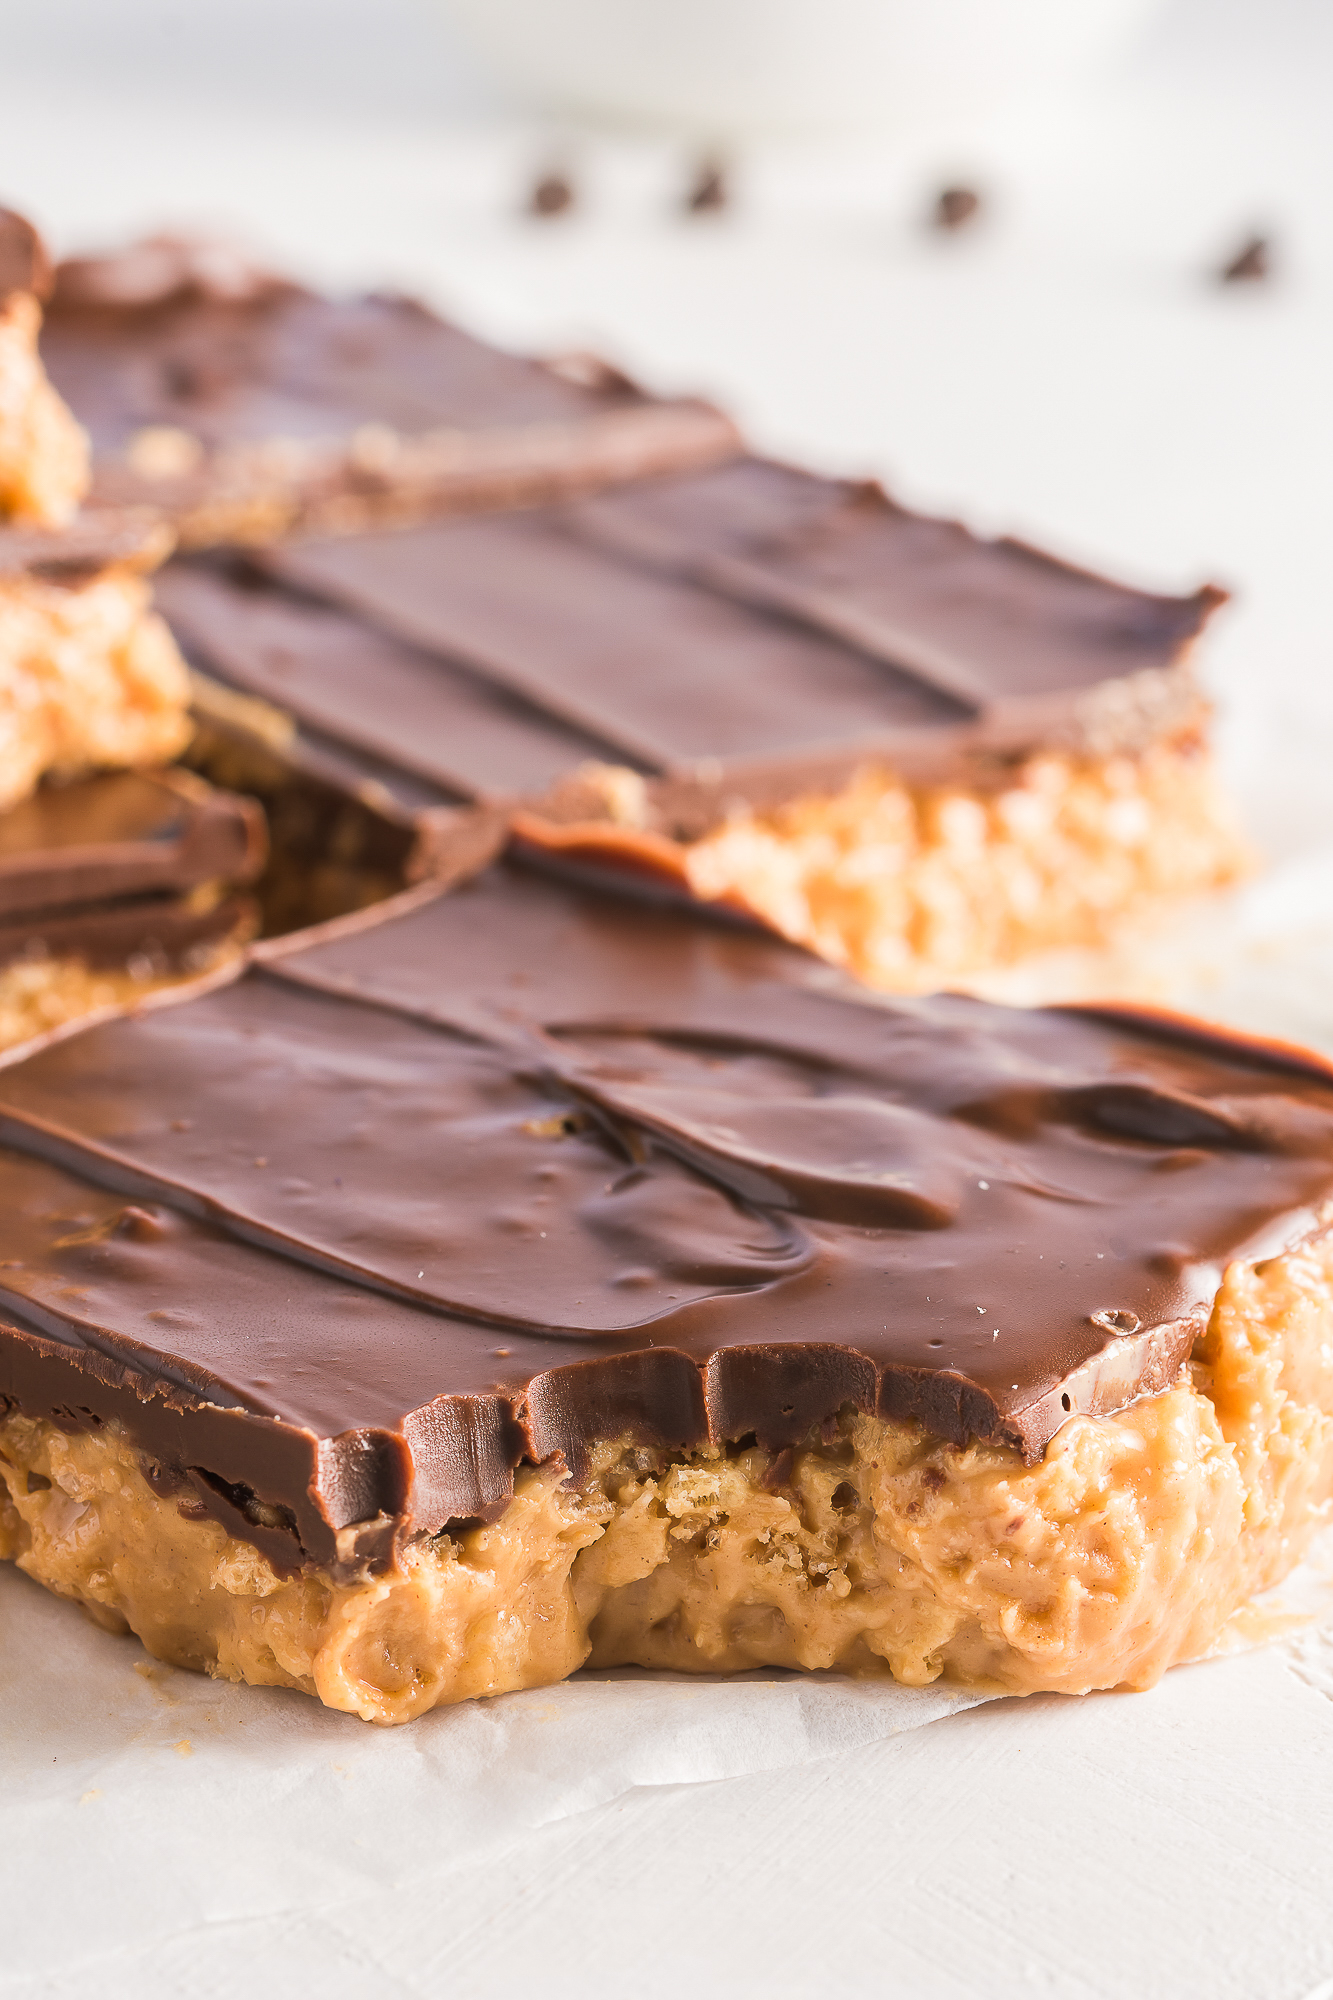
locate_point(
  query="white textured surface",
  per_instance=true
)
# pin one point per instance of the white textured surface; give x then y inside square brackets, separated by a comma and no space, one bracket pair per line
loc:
[1064,369]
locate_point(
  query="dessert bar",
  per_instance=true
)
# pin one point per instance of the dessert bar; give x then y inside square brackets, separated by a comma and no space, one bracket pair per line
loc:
[244,405]
[519,1275]
[920,753]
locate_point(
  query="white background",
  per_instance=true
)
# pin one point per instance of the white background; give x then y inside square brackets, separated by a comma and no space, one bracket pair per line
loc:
[1067,369]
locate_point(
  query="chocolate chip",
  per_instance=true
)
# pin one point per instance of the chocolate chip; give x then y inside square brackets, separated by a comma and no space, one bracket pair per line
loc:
[553,194]
[708,191]
[955,206]
[1251,263]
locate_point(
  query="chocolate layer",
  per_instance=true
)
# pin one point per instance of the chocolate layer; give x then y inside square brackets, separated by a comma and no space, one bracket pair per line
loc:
[735,636]
[132,538]
[146,936]
[427,730]
[520,1166]
[127,833]
[205,380]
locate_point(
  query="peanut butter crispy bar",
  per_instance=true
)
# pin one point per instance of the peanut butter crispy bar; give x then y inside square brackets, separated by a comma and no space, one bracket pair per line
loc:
[920,753]
[518,1276]
[246,406]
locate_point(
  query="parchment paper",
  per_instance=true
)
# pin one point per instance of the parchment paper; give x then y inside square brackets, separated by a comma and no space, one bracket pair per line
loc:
[176,1803]
[105,1751]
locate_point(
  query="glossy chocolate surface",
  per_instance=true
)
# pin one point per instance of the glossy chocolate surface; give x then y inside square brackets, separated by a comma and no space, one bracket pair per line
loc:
[283,362]
[519,1166]
[189,338]
[490,659]
[428,730]
[747,632]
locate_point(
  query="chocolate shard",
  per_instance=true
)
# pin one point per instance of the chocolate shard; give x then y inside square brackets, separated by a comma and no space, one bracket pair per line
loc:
[518,1169]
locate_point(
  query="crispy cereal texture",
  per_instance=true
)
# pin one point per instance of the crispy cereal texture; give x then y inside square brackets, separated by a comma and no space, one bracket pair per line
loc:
[90,678]
[44,457]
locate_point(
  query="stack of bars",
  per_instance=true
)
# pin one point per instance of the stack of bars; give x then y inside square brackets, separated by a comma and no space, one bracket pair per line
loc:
[521,1252]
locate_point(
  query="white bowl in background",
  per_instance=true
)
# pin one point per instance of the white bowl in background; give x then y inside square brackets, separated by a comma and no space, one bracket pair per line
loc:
[729,69]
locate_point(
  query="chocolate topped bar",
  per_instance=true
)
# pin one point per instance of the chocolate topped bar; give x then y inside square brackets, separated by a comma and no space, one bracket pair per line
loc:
[245,405]
[741,634]
[520,1167]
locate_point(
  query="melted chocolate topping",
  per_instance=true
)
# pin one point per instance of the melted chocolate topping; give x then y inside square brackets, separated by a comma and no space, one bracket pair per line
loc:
[190,339]
[143,935]
[756,612]
[498,1172]
[744,634]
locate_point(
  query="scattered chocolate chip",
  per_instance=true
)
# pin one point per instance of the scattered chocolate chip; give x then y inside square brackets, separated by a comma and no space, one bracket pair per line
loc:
[1251,263]
[954,206]
[553,194]
[709,191]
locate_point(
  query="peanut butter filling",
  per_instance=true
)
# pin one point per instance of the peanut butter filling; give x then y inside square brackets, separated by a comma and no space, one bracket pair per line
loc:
[40,994]
[913,886]
[879,1550]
